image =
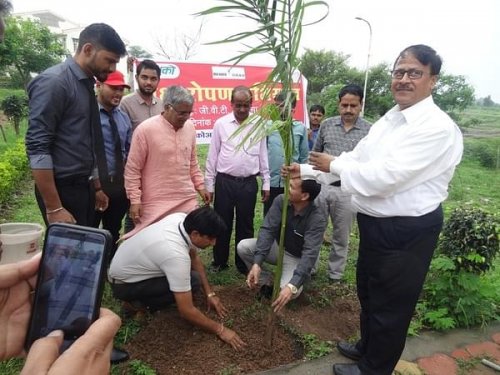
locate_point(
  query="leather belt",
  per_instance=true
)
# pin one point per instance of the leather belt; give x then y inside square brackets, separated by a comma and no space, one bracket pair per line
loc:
[235,178]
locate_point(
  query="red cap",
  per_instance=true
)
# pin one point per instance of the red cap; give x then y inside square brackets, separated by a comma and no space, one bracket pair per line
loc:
[116,79]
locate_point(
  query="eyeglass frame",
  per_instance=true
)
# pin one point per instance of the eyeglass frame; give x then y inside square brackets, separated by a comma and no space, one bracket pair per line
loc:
[419,74]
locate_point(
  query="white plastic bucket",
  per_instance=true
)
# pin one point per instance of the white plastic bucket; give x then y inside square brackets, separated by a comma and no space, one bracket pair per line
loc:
[20,241]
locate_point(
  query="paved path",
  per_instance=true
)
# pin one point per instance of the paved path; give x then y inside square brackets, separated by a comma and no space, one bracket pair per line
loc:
[457,352]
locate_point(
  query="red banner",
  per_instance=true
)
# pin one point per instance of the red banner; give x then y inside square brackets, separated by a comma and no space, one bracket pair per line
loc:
[211,86]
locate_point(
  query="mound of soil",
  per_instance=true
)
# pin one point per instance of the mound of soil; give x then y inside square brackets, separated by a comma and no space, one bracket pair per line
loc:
[170,345]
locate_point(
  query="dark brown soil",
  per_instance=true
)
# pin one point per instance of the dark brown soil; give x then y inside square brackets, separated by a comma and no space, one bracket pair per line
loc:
[170,345]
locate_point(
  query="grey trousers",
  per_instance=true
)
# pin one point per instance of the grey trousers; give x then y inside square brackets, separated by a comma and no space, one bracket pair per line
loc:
[337,205]
[246,251]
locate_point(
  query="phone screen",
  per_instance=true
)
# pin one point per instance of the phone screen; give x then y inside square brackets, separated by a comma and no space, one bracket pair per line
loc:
[70,281]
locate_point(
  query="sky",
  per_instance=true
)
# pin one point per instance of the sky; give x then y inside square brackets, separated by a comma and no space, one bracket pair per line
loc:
[465,33]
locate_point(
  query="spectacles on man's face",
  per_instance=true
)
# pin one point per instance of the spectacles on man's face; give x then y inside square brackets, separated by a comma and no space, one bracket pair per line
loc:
[412,73]
[181,113]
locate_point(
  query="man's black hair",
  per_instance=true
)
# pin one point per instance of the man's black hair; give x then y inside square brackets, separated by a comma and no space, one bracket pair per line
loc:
[425,55]
[312,188]
[148,64]
[352,89]
[241,89]
[317,108]
[102,36]
[205,221]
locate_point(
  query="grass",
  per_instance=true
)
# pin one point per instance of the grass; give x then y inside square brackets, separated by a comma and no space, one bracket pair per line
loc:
[314,347]
[471,185]
[486,117]
[10,134]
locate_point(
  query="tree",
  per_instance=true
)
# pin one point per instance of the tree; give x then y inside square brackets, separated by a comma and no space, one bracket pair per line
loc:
[180,47]
[15,108]
[486,102]
[29,47]
[139,52]
[328,71]
[323,68]
[378,93]
[278,31]
[453,93]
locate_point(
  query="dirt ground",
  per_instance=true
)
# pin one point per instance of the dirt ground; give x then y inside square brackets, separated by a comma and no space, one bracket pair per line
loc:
[171,346]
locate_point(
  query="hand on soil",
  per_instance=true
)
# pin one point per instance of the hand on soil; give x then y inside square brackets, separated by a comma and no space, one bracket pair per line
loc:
[219,308]
[230,337]
[284,297]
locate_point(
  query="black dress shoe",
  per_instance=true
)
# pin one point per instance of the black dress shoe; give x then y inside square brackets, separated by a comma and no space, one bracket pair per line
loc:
[118,355]
[349,350]
[346,369]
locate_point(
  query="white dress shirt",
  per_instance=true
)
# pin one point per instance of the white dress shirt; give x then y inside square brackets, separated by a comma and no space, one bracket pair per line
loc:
[405,163]
[224,156]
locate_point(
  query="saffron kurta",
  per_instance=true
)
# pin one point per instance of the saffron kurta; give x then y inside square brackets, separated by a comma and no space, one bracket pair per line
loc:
[162,171]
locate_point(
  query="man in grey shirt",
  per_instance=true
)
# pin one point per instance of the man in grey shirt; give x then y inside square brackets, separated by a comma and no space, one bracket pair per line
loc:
[143,103]
[59,140]
[305,226]
[60,137]
[337,135]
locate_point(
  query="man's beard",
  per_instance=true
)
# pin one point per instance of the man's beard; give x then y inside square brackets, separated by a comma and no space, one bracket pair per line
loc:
[147,93]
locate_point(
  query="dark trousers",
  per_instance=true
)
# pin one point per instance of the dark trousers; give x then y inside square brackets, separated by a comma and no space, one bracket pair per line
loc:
[232,194]
[77,196]
[154,293]
[128,225]
[394,257]
[113,216]
[273,193]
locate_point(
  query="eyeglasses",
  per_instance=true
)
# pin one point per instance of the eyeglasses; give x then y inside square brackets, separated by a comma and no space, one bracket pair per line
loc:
[241,105]
[412,73]
[180,113]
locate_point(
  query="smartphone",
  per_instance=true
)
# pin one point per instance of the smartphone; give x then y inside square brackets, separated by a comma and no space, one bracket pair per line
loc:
[70,282]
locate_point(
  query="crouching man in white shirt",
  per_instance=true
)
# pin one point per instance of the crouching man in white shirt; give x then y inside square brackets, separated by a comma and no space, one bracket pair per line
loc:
[160,265]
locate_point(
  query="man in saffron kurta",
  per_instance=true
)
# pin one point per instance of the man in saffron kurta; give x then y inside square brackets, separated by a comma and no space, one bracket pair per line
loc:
[162,175]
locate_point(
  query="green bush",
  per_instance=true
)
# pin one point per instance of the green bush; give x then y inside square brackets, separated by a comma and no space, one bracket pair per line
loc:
[470,239]
[457,292]
[487,157]
[470,123]
[455,298]
[13,168]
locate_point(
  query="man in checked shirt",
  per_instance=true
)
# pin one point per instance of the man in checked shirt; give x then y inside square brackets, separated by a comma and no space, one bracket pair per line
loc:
[337,135]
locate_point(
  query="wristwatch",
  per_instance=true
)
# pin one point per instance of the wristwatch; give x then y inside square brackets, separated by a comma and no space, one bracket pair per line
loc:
[293,288]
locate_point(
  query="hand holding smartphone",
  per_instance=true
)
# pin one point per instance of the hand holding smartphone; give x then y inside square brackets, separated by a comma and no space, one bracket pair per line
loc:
[70,282]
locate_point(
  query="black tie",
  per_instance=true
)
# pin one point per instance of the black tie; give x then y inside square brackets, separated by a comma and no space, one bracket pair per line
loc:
[117,146]
[97,132]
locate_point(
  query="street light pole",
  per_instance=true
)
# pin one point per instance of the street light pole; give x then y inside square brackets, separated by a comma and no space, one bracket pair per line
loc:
[367,63]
